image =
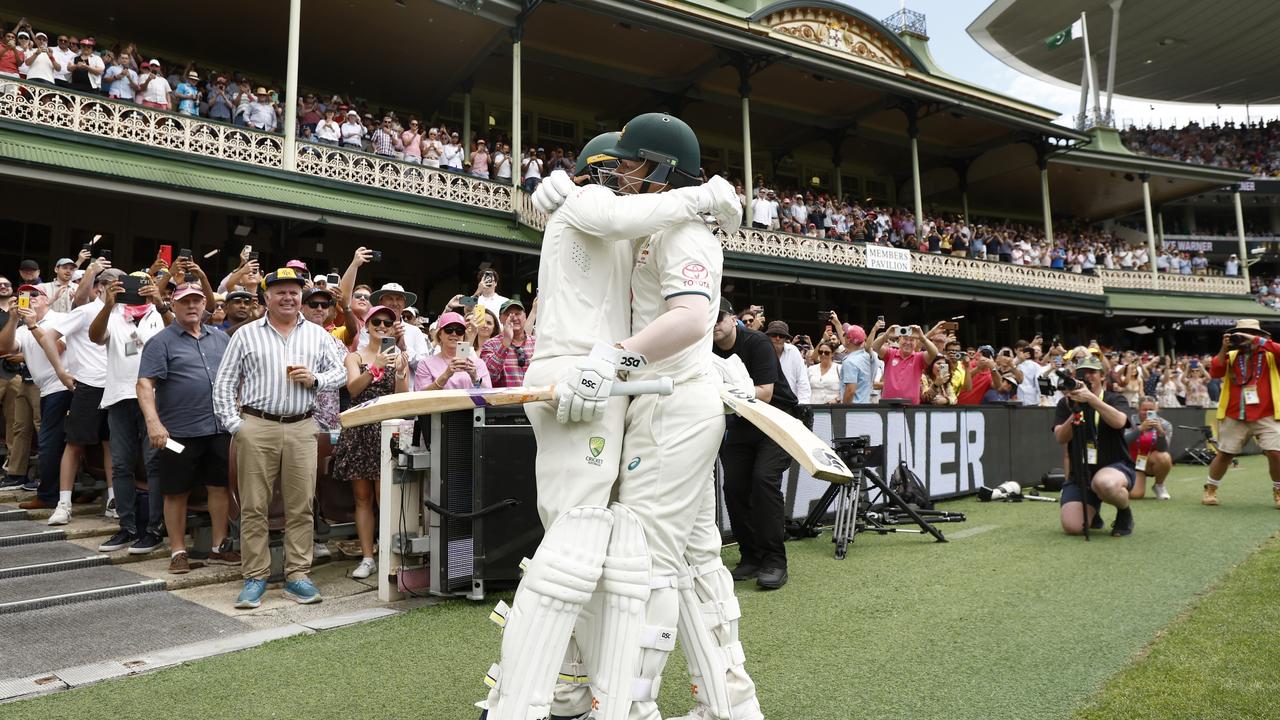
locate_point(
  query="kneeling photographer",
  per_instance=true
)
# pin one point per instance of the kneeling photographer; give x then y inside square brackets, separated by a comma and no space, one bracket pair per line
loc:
[1091,422]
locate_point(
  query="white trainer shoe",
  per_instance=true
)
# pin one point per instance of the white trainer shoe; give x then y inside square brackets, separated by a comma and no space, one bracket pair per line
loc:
[61,514]
[1161,492]
[320,550]
[367,567]
[110,513]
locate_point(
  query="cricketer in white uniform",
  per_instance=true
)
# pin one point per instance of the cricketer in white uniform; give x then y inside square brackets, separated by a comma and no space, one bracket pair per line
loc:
[584,286]
[663,560]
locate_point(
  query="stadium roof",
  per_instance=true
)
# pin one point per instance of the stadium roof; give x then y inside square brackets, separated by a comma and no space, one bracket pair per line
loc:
[1170,50]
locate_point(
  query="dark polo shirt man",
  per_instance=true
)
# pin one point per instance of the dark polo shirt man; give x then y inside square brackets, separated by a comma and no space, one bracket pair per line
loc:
[175,393]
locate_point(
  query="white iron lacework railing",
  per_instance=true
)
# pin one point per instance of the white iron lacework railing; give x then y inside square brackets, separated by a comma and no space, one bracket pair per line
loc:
[41,104]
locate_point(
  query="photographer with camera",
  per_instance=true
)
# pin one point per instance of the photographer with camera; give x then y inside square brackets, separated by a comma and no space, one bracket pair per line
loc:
[1091,423]
[1148,440]
[1249,407]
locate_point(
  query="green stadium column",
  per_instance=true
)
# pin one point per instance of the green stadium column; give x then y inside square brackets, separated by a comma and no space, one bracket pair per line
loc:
[517,147]
[466,122]
[1151,230]
[1243,252]
[747,191]
[290,159]
[913,131]
[1046,206]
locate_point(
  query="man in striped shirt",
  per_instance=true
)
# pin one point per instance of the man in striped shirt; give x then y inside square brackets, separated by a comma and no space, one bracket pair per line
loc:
[264,395]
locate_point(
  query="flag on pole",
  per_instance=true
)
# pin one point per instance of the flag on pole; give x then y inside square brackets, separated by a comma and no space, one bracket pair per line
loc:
[1071,33]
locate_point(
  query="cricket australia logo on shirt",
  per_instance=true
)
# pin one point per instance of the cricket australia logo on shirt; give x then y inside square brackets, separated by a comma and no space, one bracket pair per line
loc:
[596,446]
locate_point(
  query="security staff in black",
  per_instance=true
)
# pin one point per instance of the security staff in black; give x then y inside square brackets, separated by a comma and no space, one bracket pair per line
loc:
[753,463]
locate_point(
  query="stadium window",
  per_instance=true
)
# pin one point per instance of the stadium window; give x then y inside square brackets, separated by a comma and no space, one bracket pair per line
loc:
[555,129]
[25,240]
[877,191]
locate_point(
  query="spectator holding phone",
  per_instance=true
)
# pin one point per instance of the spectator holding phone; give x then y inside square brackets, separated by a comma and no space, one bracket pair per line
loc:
[123,326]
[1148,440]
[456,366]
[904,364]
[378,368]
[858,369]
[487,291]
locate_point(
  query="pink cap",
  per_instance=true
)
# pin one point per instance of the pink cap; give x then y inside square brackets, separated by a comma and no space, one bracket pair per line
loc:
[855,333]
[185,290]
[296,264]
[379,308]
[450,318]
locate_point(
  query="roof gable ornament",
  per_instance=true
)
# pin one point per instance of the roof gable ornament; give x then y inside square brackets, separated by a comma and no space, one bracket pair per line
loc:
[837,31]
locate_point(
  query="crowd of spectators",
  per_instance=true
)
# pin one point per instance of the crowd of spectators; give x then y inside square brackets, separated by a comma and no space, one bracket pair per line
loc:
[161,370]
[1252,146]
[1081,250]
[914,365]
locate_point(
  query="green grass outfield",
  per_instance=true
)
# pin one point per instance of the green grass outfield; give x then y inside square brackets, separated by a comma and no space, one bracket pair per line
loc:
[1009,620]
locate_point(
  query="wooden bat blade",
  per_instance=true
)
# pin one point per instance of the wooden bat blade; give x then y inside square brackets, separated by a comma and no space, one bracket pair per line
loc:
[428,402]
[813,454]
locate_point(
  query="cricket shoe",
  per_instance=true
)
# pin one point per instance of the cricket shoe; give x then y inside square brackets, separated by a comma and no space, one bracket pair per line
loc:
[1162,493]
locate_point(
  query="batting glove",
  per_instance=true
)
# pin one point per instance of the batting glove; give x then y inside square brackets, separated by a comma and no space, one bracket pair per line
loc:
[721,200]
[552,191]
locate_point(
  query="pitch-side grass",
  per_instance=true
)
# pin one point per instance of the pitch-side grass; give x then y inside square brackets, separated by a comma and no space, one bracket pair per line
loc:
[1009,620]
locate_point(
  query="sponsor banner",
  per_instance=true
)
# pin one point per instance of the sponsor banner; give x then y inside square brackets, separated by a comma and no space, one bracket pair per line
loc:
[888,258]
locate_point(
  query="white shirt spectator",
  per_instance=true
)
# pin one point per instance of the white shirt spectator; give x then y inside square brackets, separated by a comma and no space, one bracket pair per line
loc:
[824,388]
[800,211]
[493,303]
[794,370]
[124,352]
[352,133]
[84,359]
[762,212]
[329,131]
[42,372]
[1029,388]
[95,63]
[262,116]
[65,58]
[157,91]
[1233,267]
[452,156]
[39,66]
[502,165]
[60,296]
[121,81]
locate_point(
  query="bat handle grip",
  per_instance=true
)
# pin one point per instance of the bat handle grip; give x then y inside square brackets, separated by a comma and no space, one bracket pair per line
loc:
[661,386]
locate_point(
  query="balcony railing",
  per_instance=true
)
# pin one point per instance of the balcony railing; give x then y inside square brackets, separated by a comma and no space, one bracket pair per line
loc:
[1165,282]
[94,115]
[100,117]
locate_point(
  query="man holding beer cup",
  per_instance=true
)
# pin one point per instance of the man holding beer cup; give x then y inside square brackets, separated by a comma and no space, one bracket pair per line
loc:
[266,386]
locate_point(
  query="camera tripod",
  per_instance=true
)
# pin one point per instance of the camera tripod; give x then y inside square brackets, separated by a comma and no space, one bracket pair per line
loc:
[854,513]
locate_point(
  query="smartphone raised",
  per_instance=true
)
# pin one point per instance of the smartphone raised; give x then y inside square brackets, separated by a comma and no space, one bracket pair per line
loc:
[376,256]
[332,278]
[465,350]
[130,296]
[1151,414]
[388,343]
[468,301]
[24,301]
[253,255]
[185,253]
[166,254]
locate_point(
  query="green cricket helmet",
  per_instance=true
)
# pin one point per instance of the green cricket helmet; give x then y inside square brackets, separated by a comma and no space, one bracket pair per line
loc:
[666,140]
[586,165]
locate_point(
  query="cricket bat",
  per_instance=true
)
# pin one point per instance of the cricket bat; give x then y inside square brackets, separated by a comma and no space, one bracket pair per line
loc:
[429,402]
[814,455]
